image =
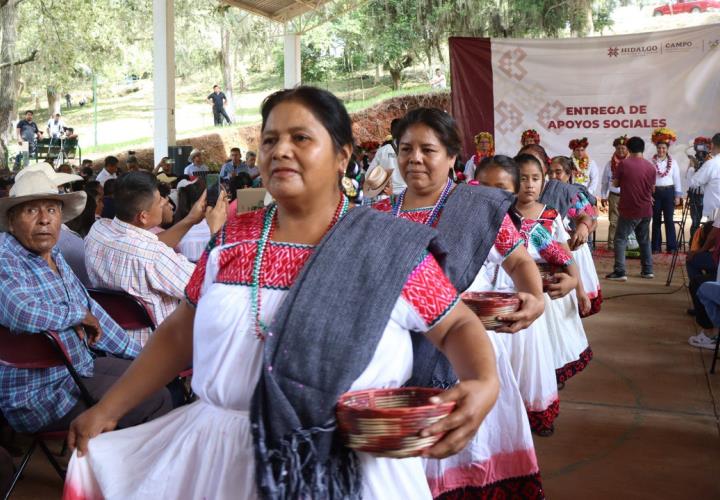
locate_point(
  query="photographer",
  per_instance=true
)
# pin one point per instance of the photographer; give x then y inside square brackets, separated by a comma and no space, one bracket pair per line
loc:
[708,179]
[701,147]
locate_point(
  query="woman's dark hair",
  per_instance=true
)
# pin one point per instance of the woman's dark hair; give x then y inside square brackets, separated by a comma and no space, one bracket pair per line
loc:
[134,192]
[539,151]
[565,163]
[83,222]
[109,187]
[523,159]
[442,123]
[504,162]
[324,106]
[187,196]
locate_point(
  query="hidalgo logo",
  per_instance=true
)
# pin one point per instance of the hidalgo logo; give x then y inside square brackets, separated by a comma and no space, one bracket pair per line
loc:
[633,51]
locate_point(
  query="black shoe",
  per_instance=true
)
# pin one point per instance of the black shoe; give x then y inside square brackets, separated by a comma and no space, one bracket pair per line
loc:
[614,276]
[647,276]
[547,432]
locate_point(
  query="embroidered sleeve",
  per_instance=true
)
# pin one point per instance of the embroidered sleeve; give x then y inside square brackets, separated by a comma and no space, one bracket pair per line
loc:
[579,205]
[508,238]
[549,249]
[429,292]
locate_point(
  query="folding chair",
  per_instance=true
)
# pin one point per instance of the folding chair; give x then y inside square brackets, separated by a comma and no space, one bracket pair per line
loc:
[39,351]
[129,312]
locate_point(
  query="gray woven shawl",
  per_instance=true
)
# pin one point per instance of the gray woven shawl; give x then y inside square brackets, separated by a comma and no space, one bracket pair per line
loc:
[320,341]
[560,195]
[468,225]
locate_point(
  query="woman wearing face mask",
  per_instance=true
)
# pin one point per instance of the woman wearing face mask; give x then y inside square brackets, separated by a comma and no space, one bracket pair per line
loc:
[476,228]
[571,348]
[531,350]
[266,326]
[561,170]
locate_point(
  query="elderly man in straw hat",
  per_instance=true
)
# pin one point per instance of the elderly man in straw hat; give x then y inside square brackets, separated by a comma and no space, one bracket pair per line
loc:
[196,163]
[39,292]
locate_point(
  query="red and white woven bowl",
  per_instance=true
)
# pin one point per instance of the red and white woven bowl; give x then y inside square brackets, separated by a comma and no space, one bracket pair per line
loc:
[547,273]
[489,305]
[387,422]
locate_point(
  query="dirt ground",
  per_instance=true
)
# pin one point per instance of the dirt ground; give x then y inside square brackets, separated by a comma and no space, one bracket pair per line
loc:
[641,422]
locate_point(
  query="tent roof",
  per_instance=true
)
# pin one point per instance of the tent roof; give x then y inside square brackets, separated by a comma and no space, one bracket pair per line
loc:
[278,10]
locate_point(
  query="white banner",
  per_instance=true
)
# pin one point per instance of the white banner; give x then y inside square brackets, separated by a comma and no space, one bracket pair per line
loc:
[604,87]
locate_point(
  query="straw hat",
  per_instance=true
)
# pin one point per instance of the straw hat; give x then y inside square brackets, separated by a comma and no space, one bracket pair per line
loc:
[57,177]
[376,181]
[36,185]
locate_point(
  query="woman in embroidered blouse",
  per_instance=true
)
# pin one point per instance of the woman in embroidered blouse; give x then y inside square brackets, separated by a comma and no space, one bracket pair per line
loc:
[501,457]
[220,447]
[561,170]
[668,191]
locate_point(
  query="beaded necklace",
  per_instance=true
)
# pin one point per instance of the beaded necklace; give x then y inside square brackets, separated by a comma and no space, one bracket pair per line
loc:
[269,223]
[439,204]
[667,169]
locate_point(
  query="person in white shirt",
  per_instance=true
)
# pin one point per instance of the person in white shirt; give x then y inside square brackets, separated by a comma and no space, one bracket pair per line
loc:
[585,170]
[609,194]
[484,147]
[55,126]
[110,170]
[708,179]
[438,81]
[196,163]
[668,190]
[386,157]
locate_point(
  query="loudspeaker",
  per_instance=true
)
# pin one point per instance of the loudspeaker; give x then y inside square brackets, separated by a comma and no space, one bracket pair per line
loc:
[179,154]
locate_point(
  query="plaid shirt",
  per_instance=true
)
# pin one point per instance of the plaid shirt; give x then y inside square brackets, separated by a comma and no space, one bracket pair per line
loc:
[34,299]
[124,257]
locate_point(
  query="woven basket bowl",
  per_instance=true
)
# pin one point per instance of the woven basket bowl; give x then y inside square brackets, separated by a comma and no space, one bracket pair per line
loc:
[387,422]
[489,305]
[547,273]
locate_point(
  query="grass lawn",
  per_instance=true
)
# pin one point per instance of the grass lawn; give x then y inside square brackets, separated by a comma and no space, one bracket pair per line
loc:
[125,111]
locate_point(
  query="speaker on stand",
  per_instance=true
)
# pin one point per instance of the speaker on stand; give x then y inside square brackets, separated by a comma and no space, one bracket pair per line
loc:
[180,156]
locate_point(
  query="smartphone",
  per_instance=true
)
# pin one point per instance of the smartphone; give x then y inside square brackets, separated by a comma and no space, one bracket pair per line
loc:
[212,181]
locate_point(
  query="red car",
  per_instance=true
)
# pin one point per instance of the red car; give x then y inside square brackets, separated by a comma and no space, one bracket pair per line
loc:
[686,6]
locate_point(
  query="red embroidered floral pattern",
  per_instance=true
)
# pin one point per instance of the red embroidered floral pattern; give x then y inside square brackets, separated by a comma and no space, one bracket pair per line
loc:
[427,290]
[574,367]
[383,205]
[508,237]
[543,420]
[514,488]
[430,306]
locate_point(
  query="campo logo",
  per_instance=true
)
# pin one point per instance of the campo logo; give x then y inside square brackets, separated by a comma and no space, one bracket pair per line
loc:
[714,43]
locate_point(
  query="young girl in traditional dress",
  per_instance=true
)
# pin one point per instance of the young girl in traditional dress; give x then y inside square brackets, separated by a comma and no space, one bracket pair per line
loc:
[531,350]
[561,169]
[571,348]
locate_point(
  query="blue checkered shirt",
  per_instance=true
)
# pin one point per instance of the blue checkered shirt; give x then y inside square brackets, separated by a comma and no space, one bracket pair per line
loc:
[34,299]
